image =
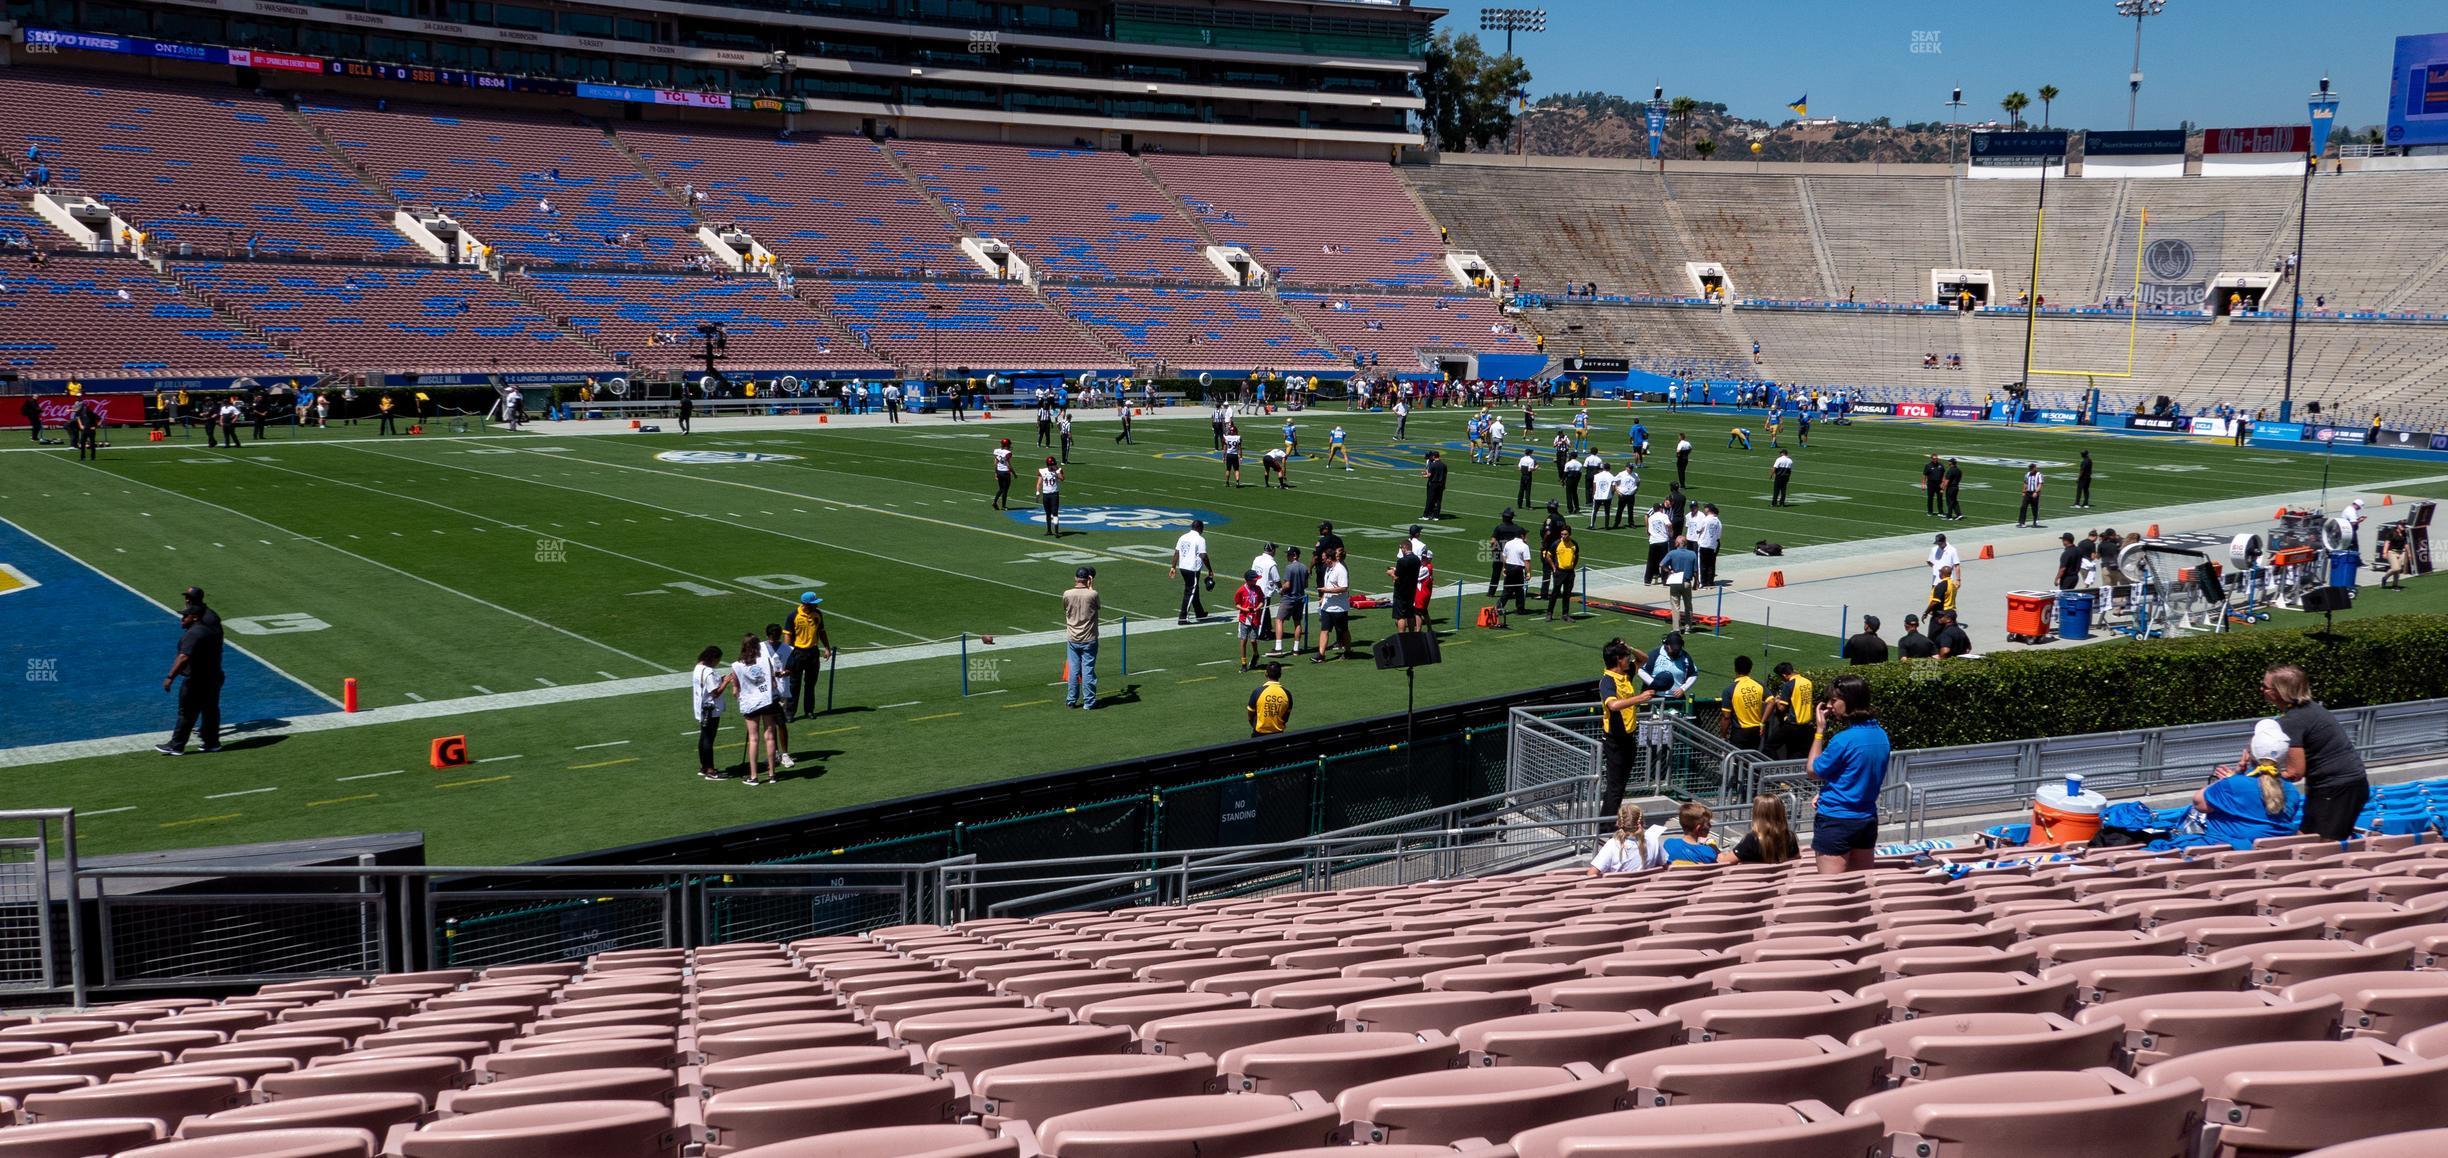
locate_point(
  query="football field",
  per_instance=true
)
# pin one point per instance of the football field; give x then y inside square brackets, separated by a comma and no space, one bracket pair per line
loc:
[544,594]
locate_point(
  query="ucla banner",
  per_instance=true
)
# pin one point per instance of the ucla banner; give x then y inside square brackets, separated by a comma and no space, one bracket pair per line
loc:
[2324,114]
[1657,129]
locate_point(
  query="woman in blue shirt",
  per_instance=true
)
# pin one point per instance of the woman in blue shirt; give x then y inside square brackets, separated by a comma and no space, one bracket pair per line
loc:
[1848,756]
[2247,803]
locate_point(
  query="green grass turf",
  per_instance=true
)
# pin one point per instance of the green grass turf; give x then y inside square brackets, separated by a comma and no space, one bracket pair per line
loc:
[447,565]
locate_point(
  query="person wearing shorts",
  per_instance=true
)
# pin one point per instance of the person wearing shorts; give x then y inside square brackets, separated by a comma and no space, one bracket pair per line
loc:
[1334,605]
[1292,605]
[1848,756]
[1249,618]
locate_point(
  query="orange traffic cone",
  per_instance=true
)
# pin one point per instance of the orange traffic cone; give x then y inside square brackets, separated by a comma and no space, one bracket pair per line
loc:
[1066,669]
[1988,552]
[2154,532]
[1776,578]
[2388,500]
[2281,513]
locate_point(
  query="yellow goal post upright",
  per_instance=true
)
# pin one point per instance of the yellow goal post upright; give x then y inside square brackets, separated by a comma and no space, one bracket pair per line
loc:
[2133,315]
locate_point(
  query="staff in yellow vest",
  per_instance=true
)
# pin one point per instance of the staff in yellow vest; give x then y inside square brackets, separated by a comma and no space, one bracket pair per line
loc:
[1747,706]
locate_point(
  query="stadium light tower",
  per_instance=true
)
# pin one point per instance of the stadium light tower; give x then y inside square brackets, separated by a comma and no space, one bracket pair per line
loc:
[1955,108]
[2303,203]
[1512,20]
[2137,9]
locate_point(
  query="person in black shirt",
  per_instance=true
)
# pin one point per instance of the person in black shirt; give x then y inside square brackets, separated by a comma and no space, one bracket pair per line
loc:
[1678,506]
[1406,575]
[1952,642]
[1954,490]
[1327,540]
[1682,459]
[1435,473]
[2319,754]
[1529,475]
[688,406]
[1915,645]
[199,702]
[2082,483]
[31,408]
[2069,562]
[1866,648]
[1549,532]
[1933,486]
[1505,531]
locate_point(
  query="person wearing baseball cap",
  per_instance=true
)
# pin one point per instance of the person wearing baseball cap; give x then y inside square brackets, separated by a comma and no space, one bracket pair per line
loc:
[2246,802]
[1249,617]
[1081,607]
[810,646]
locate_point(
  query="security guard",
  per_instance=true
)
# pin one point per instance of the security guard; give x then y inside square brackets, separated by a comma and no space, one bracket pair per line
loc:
[1748,702]
[1621,696]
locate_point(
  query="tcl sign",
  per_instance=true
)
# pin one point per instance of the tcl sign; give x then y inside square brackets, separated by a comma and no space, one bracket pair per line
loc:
[1916,410]
[2265,139]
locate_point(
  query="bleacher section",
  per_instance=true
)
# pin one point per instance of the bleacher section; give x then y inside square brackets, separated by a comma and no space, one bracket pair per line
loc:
[765,328]
[2120,996]
[1373,235]
[1997,236]
[1072,213]
[2370,238]
[494,172]
[22,228]
[1193,329]
[1388,326]
[145,147]
[964,323]
[67,319]
[390,319]
[1756,228]
[1681,340]
[824,203]
[1552,230]
[1884,234]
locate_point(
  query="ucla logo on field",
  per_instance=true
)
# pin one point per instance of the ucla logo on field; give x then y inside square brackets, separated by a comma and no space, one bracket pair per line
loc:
[1121,518]
[721,457]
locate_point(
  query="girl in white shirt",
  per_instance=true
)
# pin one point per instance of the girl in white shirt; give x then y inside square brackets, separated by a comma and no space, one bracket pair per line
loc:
[1632,847]
[706,687]
[752,680]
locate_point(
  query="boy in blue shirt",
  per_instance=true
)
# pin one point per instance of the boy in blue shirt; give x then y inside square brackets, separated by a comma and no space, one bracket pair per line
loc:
[1693,845]
[1640,442]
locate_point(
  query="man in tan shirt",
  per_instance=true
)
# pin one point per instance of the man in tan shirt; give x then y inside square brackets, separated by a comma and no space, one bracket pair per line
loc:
[1080,607]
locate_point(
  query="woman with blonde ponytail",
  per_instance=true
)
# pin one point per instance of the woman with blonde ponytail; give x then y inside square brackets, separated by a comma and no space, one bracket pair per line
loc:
[1632,847]
[2254,800]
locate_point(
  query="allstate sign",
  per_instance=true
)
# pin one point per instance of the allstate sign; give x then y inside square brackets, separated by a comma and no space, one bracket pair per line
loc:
[1120,518]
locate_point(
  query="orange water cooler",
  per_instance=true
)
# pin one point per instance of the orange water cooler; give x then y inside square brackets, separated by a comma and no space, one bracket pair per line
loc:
[2028,614]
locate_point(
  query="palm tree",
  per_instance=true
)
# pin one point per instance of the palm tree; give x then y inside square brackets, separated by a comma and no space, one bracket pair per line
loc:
[2014,104]
[2048,96]
[1706,148]
[1680,109]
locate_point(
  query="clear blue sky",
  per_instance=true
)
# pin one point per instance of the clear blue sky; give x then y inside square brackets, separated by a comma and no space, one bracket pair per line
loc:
[2212,62]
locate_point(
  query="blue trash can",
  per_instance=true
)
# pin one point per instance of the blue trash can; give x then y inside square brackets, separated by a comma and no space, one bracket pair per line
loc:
[2074,613]
[2342,568]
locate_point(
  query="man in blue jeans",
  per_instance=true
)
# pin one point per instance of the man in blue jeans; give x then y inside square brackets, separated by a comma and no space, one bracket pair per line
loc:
[1081,605]
[1850,764]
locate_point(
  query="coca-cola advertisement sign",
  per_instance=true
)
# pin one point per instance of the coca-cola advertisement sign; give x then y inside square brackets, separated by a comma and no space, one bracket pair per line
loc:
[117,409]
[1916,410]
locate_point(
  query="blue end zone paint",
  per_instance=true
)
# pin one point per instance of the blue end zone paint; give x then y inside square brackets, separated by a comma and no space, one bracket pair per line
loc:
[82,657]
[1116,518]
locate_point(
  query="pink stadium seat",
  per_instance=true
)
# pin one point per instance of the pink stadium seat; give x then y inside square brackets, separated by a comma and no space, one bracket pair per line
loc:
[944,1141]
[1447,1106]
[1046,1087]
[2165,1025]
[1788,1014]
[2295,1095]
[1747,1070]
[374,1113]
[1329,1063]
[560,1130]
[335,1143]
[634,1083]
[2096,1112]
[1561,1038]
[779,1111]
[1956,1045]
[426,1077]
[974,1052]
[168,1099]
[78,1139]
[2383,1004]
[1718,1130]
[1211,1126]
[1214,1032]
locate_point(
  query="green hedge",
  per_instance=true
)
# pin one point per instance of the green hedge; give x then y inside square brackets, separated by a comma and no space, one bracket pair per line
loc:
[2115,686]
